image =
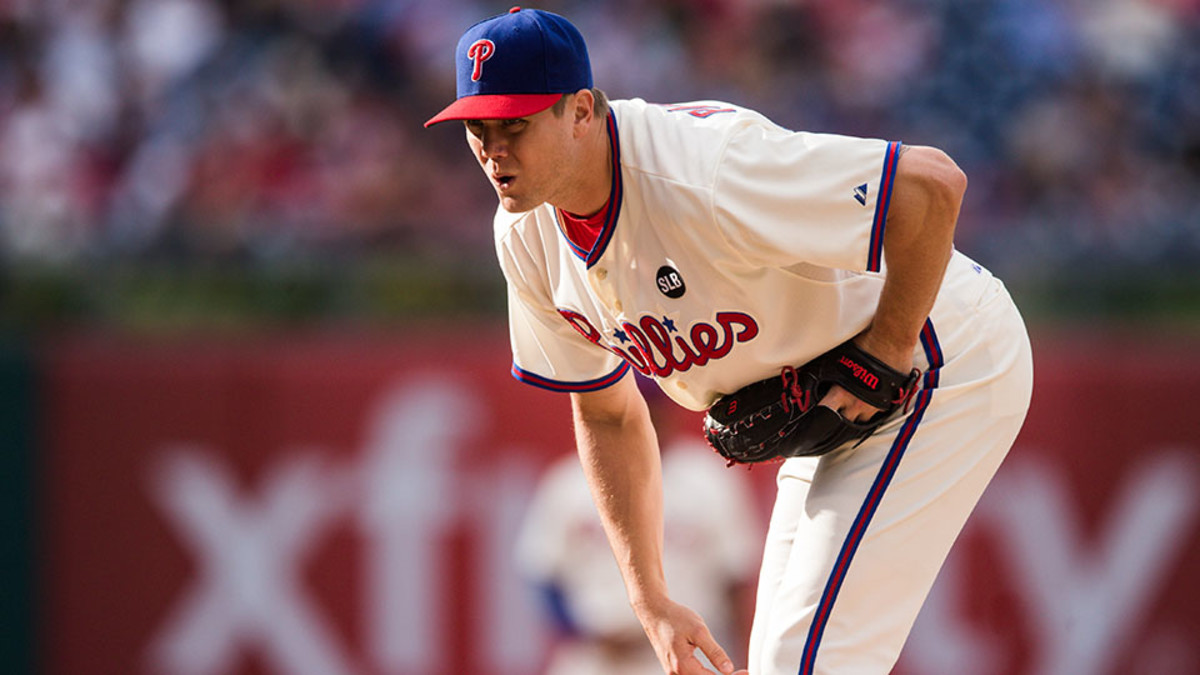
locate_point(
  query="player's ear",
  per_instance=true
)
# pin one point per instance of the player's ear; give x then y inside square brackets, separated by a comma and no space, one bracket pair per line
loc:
[582,107]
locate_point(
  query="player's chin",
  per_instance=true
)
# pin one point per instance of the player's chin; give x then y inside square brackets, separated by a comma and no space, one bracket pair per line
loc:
[515,204]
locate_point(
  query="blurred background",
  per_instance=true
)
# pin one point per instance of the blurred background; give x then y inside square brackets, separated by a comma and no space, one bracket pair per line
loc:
[257,415]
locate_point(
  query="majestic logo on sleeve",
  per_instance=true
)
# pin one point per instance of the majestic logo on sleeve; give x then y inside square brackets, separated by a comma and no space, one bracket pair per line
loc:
[480,51]
[860,194]
[655,346]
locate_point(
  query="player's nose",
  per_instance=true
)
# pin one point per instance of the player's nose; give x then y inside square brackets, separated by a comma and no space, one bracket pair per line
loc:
[493,146]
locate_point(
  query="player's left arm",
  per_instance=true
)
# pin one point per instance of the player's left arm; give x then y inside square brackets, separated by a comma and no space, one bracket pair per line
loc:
[917,244]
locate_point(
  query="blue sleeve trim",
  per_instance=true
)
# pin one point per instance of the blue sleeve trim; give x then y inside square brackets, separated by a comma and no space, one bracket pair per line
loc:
[556,385]
[886,182]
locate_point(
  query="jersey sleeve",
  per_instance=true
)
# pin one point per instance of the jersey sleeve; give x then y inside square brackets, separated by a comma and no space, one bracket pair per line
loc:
[551,348]
[795,197]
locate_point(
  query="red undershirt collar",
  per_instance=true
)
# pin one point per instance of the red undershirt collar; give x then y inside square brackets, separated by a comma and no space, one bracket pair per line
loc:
[583,231]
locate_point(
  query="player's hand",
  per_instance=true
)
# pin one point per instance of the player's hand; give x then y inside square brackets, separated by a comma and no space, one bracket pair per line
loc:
[851,407]
[676,632]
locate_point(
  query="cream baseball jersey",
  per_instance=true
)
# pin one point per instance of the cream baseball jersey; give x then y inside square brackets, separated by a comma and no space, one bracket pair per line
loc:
[730,247]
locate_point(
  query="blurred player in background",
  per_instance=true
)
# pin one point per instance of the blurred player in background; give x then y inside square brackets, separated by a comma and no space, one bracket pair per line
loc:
[711,554]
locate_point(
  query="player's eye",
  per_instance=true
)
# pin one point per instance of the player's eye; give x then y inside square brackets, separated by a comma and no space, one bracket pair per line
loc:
[514,125]
[474,127]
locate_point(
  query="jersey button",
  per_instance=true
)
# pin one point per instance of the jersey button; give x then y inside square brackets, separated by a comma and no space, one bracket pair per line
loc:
[618,306]
[601,273]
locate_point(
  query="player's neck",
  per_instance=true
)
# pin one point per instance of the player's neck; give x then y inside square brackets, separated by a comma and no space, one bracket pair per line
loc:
[593,180]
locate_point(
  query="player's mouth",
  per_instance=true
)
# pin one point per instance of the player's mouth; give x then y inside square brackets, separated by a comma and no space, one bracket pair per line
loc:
[503,182]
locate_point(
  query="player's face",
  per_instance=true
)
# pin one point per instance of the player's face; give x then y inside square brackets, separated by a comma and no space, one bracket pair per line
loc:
[527,160]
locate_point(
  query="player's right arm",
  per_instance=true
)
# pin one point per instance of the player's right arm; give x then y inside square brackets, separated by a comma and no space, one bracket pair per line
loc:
[619,452]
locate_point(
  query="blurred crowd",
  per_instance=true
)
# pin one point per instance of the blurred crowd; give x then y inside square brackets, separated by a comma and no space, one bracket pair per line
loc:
[263,130]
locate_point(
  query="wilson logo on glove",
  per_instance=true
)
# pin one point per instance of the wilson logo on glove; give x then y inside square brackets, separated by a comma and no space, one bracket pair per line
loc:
[866,376]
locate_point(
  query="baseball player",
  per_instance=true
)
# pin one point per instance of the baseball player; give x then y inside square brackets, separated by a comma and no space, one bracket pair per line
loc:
[704,246]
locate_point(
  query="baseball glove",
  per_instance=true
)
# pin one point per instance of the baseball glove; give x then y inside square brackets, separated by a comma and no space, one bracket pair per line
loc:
[779,417]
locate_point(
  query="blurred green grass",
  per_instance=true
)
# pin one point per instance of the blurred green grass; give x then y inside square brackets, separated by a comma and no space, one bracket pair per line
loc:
[214,297]
[388,291]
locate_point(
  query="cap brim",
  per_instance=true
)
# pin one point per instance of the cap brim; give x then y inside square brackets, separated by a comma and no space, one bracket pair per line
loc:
[495,107]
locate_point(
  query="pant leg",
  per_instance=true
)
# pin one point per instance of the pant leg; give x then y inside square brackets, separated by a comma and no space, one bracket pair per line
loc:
[792,490]
[856,543]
